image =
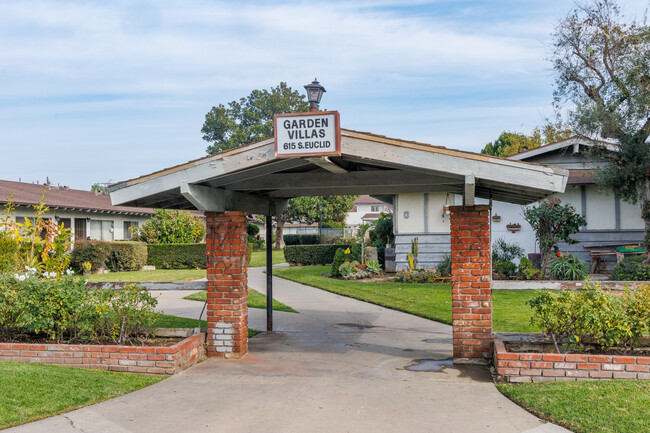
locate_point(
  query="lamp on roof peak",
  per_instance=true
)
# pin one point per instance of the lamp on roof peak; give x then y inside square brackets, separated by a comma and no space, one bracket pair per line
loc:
[314,93]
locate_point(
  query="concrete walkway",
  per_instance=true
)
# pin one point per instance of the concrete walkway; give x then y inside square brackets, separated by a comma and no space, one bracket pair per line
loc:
[338,366]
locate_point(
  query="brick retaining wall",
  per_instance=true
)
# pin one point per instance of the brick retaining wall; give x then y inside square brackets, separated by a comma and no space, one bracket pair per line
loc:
[549,367]
[132,359]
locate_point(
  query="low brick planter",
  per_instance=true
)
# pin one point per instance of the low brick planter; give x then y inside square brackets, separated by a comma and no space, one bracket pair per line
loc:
[549,367]
[132,359]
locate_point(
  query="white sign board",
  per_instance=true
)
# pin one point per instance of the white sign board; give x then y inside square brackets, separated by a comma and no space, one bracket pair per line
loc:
[301,134]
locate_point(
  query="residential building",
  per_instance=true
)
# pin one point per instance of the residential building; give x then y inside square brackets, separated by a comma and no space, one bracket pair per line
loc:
[90,215]
[365,210]
[611,222]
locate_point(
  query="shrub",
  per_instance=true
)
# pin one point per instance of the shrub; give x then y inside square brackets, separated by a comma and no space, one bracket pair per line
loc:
[177,256]
[373,267]
[252,229]
[170,227]
[504,251]
[419,276]
[313,254]
[127,256]
[527,270]
[97,253]
[62,310]
[124,314]
[594,316]
[337,261]
[302,239]
[249,254]
[8,252]
[632,269]
[444,267]
[506,269]
[382,233]
[568,267]
[344,241]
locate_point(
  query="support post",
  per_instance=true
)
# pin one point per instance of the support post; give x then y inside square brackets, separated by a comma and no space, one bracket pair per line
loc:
[227,306]
[471,276]
[269,273]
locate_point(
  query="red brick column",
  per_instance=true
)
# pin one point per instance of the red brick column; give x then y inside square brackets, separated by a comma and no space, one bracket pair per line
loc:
[227,309]
[471,276]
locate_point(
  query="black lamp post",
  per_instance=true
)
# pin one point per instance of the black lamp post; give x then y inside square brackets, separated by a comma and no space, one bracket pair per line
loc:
[314,93]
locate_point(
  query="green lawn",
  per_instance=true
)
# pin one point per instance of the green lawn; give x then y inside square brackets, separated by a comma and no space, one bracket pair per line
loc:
[255,300]
[616,406]
[32,391]
[432,301]
[259,258]
[163,275]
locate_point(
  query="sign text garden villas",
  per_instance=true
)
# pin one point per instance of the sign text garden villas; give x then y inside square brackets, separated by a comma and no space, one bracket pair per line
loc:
[300,134]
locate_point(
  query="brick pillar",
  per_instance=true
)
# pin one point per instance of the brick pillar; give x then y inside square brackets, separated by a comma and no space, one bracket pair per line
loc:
[227,309]
[471,276]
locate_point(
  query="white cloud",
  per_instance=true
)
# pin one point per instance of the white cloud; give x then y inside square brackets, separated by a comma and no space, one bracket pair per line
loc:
[81,79]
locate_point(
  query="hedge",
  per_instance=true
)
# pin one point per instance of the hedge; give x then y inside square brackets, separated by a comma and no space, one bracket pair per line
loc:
[115,256]
[182,256]
[127,256]
[177,256]
[302,239]
[316,254]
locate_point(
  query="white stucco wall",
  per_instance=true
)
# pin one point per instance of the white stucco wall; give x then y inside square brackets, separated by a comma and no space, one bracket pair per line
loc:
[116,220]
[631,216]
[410,213]
[438,222]
[601,209]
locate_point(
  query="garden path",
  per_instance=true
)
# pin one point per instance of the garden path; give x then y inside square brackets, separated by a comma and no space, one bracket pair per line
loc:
[339,365]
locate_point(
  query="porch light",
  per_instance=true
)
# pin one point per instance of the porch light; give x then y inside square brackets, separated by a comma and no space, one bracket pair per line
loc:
[314,93]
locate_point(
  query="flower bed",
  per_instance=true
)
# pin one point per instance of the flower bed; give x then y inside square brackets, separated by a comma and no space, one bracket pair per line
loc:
[548,367]
[132,359]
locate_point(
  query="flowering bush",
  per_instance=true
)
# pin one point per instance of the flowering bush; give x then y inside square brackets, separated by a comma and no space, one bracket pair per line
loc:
[63,310]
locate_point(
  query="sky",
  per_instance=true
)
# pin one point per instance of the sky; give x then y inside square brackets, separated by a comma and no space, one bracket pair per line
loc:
[100,92]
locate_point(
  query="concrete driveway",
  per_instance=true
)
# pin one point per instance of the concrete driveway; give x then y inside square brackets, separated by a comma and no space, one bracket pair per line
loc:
[339,366]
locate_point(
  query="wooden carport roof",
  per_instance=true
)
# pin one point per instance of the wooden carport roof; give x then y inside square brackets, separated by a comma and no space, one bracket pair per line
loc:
[251,178]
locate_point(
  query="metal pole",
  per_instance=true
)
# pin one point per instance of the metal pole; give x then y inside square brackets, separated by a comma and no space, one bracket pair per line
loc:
[269,273]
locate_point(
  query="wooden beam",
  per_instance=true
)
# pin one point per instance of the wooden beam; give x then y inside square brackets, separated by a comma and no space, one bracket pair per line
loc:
[378,178]
[220,200]
[470,187]
[257,172]
[370,190]
[327,164]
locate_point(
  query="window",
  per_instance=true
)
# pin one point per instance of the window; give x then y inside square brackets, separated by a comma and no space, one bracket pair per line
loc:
[101,230]
[127,226]
[375,208]
[80,228]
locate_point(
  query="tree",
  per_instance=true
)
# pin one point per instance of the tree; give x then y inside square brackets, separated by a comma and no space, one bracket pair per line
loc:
[314,210]
[251,118]
[96,187]
[510,143]
[321,209]
[553,222]
[602,69]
